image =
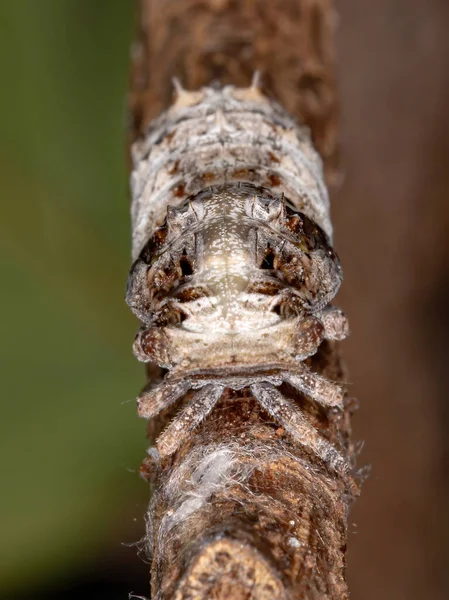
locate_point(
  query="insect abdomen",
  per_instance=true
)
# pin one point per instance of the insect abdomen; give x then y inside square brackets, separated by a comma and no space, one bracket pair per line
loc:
[217,136]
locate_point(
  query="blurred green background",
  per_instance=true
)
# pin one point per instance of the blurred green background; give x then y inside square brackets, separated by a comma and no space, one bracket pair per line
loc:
[70,440]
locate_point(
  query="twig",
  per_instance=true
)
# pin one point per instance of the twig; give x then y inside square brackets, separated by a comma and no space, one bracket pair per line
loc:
[240,510]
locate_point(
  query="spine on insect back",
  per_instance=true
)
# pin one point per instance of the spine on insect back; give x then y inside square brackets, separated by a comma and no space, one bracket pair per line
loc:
[232,280]
[222,136]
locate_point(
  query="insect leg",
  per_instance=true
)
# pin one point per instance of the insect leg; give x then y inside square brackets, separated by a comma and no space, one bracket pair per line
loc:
[336,326]
[325,392]
[150,403]
[188,419]
[292,420]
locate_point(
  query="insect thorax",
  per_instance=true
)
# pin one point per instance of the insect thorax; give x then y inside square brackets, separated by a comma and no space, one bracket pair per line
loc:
[231,234]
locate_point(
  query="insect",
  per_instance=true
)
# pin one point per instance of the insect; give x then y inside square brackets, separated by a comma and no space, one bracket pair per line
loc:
[234,270]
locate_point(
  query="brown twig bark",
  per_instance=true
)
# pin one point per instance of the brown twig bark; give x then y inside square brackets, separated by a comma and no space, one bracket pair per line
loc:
[279,529]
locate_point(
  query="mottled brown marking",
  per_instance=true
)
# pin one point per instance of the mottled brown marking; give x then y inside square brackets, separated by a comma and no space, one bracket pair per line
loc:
[270,288]
[191,293]
[273,157]
[179,190]
[174,168]
[208,177]
[273,180]
[153,345]
[170,136]
[240,174]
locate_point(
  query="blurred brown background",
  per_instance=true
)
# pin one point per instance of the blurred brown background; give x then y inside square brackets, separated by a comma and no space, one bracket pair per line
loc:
[69,446]
[392,218]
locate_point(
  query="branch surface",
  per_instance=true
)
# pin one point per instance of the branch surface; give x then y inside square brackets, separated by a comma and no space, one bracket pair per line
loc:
[274,523]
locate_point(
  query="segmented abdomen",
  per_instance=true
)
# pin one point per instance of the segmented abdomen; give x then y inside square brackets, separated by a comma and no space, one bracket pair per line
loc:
[214,136]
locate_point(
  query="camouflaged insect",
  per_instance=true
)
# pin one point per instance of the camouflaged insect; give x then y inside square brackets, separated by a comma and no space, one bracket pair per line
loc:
[233,270]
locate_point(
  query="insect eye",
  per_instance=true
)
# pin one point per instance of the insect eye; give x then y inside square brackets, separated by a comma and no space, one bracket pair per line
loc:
[152,249]
[268,260]
[186,266]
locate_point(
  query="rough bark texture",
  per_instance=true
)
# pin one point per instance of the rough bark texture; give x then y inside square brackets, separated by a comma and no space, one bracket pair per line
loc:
[280,532]
[279,529]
